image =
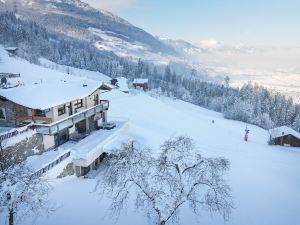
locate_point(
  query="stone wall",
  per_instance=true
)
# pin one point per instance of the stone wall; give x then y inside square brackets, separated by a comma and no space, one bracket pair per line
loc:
[12,112]
[28,147]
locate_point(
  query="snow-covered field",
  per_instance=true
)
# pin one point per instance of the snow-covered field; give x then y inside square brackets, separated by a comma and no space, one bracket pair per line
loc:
[265,180]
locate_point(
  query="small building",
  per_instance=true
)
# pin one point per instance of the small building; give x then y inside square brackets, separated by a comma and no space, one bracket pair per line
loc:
[141,84]
[284,136]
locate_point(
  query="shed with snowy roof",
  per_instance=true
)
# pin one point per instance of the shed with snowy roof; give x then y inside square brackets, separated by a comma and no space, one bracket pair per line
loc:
[284,136]
[140,84]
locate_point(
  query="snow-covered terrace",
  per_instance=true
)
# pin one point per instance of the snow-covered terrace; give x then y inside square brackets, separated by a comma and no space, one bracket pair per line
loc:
[86,151]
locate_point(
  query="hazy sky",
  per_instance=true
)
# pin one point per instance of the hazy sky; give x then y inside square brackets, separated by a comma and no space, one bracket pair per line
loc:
[254,22]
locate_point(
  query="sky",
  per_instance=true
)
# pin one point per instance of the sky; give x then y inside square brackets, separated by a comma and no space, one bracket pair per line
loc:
[249,22]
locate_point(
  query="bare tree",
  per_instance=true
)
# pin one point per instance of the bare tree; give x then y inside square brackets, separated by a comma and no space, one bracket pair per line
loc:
[21,193]
[162,185]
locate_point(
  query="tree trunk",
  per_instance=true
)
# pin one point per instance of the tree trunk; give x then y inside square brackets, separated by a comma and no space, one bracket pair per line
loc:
[162,222]
[11,217]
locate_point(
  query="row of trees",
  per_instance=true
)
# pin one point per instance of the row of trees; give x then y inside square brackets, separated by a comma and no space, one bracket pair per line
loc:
[251,103]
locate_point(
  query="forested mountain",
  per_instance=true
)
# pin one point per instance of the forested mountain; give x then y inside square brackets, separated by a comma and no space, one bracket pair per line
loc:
[73,19]
[251,103]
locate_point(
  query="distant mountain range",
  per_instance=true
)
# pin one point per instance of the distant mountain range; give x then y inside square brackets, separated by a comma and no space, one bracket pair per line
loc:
[79,20]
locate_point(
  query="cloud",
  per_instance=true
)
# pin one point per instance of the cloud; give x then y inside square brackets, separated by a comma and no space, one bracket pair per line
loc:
[111,4]
[210,43]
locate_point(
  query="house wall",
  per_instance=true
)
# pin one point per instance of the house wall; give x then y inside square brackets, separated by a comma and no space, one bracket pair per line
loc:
[12,112]
[72,129]
[49,114]
[48,141]
[287,140]
[87,103]
[144,87]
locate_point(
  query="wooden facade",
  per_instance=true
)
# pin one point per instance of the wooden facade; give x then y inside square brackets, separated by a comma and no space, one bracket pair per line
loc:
[287,140]
[10,113]
[143,86]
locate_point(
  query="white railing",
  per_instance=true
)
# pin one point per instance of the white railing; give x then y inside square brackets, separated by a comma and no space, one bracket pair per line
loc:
[53,163]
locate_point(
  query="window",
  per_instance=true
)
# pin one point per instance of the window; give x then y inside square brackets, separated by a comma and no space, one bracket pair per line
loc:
[78,104]
[39,112]
[61,110]
[96,99]
[2,114]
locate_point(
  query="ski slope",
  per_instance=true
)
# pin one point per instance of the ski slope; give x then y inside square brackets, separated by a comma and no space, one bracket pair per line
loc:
[265,180]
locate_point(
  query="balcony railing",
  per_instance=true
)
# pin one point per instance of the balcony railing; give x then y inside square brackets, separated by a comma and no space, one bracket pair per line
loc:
[67,122]
[35,119]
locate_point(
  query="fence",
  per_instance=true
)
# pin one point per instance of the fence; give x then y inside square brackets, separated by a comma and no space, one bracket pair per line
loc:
[12,134]
[9,75]
[52,164]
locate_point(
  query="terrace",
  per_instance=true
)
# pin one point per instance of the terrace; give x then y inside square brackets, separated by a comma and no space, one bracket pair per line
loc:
[87,152]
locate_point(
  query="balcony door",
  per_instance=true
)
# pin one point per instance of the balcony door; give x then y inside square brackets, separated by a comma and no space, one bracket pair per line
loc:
[61,137]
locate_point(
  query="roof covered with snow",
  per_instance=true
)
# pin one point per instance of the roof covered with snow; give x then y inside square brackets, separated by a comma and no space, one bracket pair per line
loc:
[45,96]
[282,131]
[49,85]
[11,48]
[140,81]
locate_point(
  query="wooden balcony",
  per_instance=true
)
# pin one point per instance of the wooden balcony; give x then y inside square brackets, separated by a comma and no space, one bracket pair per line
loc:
[34,119]
[56,126]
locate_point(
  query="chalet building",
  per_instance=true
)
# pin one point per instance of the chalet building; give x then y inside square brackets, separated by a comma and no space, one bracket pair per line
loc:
[284,136]
[141,84]
[59,112]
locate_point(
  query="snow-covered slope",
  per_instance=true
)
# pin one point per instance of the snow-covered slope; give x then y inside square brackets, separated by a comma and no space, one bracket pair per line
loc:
[265,179]
[49,72]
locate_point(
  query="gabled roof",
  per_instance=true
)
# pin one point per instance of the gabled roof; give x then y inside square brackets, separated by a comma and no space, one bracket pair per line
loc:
[140,81]
[283,131]
[47,95]
[11,48]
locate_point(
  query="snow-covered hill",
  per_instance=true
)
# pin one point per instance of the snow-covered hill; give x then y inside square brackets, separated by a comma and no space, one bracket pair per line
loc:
[49,72]
[265,179]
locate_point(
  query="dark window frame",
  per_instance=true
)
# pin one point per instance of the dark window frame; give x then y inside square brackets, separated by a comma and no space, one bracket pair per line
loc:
[61,110]
[96,99]
[78,104]
[3,112]
[39,112]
